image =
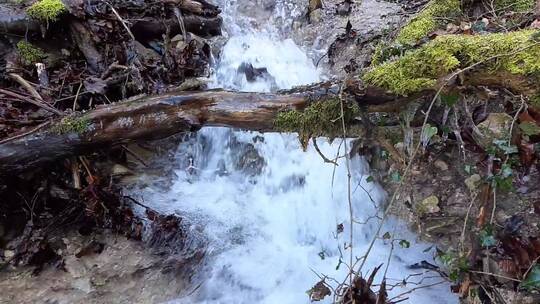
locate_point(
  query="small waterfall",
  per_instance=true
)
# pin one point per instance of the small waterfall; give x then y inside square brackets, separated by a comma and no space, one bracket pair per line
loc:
[267,211]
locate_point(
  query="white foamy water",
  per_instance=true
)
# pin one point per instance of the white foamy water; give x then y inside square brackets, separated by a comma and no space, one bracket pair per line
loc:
[268,211]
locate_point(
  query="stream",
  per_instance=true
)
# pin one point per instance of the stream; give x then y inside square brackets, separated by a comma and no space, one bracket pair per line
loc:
[267,211]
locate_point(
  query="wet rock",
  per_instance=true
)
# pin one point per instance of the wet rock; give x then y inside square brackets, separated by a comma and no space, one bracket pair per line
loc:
[252,73]
[344,8]
[292,182]
[316,16]
[249,160]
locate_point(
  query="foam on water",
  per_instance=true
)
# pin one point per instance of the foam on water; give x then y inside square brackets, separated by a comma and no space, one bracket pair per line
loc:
[268,234]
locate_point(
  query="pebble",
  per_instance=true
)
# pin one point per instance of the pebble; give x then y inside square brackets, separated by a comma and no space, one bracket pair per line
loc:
[441,165]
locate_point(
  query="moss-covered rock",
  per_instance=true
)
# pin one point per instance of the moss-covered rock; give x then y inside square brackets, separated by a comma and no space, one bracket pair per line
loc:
[321,118]
[71,124]
[29,53]
[428,20]
[420,69]
[46,10]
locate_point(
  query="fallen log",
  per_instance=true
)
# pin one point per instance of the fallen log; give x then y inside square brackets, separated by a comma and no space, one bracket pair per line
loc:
[16,21]
[159,117]
[311,110]
[146,29]
[199,7]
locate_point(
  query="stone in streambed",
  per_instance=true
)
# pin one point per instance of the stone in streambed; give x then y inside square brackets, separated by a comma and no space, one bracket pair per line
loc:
[428,205]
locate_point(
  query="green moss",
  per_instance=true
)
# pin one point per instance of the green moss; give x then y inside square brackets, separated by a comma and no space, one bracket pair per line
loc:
[514,5]
[426,22]
[46,10]
[29,53]
[535,101]
[71,124]
[321,118]
[421,68]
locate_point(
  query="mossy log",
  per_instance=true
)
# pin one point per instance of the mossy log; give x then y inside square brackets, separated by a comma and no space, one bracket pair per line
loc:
[509,59]
[312,111]
[160,116]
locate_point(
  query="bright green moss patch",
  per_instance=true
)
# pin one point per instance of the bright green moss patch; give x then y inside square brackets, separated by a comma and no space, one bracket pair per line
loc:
[514,5]
[71,124]
[421,68]
[427,21]
[46,10]
[321,118]
[29,53]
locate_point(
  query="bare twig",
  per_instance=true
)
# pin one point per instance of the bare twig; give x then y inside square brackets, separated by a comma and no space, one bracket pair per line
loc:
[30,100]
[27,86]
[25,133]
[325,159]
[124,24]
[77,97]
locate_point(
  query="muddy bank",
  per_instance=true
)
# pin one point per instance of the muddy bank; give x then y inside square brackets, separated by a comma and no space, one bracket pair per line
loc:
[104,268]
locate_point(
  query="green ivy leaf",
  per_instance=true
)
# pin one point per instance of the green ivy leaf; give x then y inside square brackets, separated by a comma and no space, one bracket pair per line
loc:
[486,237]
[529,128]
[450,99]
[404,244]
[370,179]
[387,236]
[505,146]
[429,132]
[506,171]
[532,282]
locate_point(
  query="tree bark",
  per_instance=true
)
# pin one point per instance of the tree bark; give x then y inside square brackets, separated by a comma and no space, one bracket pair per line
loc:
[160,116]
[156,117]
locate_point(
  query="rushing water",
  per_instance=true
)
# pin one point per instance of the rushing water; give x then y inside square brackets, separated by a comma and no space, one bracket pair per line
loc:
[266,210]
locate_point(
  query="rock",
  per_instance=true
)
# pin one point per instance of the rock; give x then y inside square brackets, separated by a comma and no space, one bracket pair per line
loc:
[441,165]
[181,45]
[119,170]
[251,72]
[8,254]
[473,181]
[178,37]
[249,161]
[315,16]
[495,127]
[193,84]
[428,205]
[344,8]
[147,55]
[314,5]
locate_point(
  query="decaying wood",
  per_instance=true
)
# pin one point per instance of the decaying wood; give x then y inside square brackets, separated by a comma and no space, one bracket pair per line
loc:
[146,29]
[160,116]
[199,7]
[83,38]
[16,21]
[157,117]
